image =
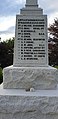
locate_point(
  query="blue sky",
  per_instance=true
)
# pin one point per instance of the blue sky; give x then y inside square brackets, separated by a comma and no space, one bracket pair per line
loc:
[9,9]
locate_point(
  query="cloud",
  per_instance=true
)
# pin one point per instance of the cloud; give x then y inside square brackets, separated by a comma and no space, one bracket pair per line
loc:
[50,8]
[7,27]
[7,36]
[20,2]
[49,5]
[8,31]
[7,22]
[9,9]
[51,18]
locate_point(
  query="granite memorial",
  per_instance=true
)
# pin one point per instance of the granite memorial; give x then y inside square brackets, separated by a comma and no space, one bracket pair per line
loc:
[31,43]
[30,85]
[30,67]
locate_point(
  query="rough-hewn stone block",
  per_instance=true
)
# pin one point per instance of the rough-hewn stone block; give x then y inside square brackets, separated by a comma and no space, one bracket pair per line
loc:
[30,77]
[17,104]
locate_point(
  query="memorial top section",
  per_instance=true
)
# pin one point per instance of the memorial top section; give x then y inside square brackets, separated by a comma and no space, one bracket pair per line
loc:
[31,2]
[31,43]
[31,8]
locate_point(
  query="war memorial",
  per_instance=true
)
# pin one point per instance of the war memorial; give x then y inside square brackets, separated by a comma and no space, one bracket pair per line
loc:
[30,85]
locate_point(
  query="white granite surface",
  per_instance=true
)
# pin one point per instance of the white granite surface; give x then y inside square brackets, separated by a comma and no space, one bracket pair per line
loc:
[19,104]
[30,77]
[21,92]
[21,97]
[31,43]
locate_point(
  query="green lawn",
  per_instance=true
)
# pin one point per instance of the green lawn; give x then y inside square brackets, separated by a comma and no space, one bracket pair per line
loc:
[56,67]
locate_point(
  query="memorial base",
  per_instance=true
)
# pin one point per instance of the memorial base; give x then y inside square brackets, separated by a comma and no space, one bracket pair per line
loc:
[19,104]
[24,97]
[26,78]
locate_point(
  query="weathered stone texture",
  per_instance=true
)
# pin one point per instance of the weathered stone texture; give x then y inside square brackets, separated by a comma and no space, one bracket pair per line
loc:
[28,107]
[30,77]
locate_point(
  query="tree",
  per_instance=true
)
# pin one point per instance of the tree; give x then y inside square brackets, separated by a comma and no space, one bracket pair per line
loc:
[6,52]
[1,75]
[53,30]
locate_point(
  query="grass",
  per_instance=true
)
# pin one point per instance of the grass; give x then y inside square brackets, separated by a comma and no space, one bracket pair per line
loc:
[56,67]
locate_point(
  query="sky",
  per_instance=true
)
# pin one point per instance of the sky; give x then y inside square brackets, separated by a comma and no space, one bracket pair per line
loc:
[9,9]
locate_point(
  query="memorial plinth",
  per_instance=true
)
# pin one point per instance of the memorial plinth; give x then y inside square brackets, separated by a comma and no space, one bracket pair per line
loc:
[30,77]
[19,104]
[30,85]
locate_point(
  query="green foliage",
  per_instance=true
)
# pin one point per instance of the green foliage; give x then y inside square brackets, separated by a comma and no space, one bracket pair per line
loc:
[1,75]
[6,52]
[53,30]
[56,67]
